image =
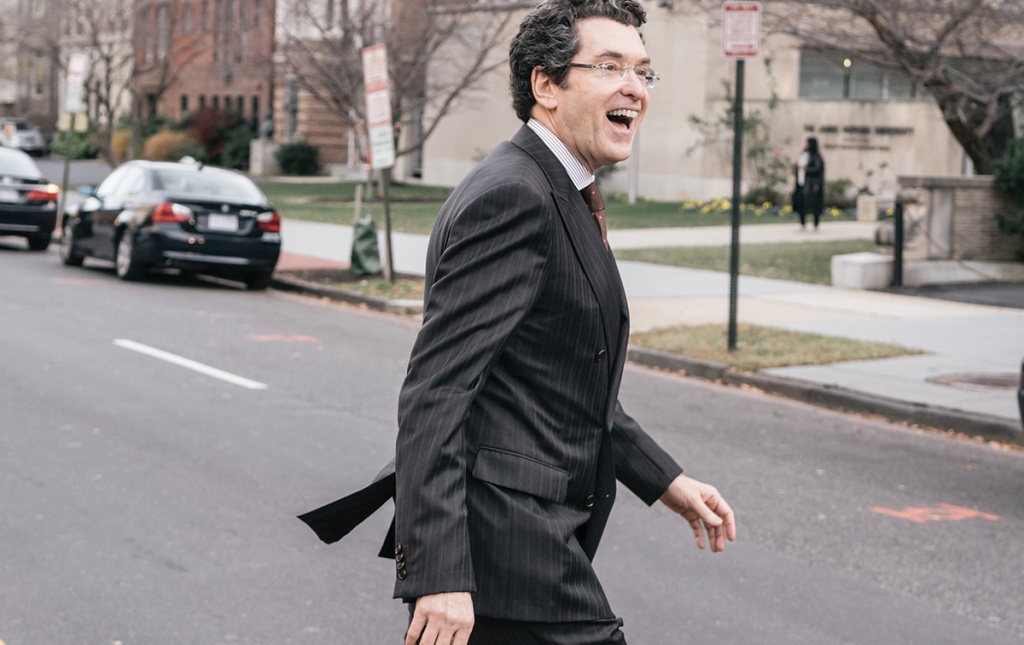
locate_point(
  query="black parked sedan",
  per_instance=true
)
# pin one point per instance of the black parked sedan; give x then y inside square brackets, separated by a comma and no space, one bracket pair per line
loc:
[28,203]
[147,215]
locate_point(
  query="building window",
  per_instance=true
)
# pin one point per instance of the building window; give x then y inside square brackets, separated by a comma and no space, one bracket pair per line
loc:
[163,32]
[843,76]
[216,102]
[39,75]
[184,103]
[257,12]
[186,19]
[202,101]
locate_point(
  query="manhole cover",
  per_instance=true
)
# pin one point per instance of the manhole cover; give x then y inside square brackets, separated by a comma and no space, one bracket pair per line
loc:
[998,381]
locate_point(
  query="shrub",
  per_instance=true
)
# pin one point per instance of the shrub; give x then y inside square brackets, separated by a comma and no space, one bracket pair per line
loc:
[80,146]
[170,146]
[236,148]
[761,195]
[298,158]
[120,144]
[837,194]
[1009,176]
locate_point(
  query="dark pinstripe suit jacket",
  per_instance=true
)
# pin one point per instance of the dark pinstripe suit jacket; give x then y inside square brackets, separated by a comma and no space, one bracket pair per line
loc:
[510,432]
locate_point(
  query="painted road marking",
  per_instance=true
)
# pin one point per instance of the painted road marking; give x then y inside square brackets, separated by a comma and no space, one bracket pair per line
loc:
[293,338]
[190,364]
[78,282]
[940,513]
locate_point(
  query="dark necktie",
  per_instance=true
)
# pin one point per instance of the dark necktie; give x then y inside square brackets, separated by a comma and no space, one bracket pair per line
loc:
[592,196]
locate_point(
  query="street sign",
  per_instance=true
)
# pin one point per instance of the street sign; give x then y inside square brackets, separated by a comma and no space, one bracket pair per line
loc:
[378,107]
[76,79]
[741,29]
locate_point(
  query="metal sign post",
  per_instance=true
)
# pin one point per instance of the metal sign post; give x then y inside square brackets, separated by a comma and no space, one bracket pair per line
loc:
[741,39]
[381,134]
[77,65]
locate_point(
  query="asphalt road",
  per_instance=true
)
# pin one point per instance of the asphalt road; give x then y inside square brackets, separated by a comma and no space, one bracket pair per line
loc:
[146,501]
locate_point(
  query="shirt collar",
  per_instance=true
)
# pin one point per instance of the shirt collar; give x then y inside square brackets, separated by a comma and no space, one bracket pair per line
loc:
[580,176]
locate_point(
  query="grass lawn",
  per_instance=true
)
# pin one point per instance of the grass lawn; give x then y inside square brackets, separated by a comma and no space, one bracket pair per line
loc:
[761,347]
[797,261]
[414,208]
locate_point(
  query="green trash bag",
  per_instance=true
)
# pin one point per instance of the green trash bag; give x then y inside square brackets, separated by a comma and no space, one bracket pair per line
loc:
[365,254]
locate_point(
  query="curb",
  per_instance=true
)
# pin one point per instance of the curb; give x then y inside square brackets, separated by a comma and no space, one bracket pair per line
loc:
[989,427]
[289,283]
[975,425]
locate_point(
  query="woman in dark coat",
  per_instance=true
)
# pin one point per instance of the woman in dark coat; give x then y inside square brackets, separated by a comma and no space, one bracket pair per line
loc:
[810,183]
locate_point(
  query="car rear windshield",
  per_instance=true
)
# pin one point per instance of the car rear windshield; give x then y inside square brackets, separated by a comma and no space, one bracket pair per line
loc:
[14,164]
[222,185]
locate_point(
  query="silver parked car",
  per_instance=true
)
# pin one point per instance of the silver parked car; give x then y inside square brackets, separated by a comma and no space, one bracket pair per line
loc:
[23,135]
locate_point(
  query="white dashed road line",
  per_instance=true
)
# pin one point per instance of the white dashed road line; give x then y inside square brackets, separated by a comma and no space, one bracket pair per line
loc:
[190,364]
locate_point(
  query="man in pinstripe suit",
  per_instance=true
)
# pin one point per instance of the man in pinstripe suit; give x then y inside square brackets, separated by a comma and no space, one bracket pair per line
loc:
[510,432]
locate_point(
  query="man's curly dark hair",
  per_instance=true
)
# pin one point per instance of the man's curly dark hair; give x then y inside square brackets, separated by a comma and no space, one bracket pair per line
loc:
[548,40]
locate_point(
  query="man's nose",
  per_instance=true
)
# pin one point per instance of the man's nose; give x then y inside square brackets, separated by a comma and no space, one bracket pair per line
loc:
[633,85]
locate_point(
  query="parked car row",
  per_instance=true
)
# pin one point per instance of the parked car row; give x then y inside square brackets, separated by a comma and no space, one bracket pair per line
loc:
[28,202]
[151,215]
[21,134]
[148,216]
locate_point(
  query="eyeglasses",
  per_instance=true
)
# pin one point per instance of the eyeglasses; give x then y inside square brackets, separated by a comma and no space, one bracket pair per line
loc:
[612,70]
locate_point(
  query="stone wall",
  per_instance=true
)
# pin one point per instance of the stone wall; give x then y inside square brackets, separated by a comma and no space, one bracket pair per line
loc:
[954,218]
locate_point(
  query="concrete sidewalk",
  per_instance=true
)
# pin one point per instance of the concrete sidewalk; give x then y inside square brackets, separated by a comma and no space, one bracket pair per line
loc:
[964,381]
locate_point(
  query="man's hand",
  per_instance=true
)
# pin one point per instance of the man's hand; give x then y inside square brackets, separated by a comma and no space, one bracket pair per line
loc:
[703,507]
[441,619]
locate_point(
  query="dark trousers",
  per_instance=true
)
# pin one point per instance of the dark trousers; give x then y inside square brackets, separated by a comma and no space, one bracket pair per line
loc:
[491,631]
[494,631]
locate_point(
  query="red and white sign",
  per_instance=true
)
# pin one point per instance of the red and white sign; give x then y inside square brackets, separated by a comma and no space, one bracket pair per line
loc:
[76,79]
[378,107]
[741,29]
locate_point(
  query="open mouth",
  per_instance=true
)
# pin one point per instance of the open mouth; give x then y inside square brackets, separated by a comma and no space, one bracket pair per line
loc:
[623,117]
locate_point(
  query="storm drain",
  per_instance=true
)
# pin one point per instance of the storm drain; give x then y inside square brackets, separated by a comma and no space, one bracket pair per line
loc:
[982,381]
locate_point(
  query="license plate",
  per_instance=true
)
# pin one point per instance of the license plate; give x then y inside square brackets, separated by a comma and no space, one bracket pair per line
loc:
[218,222]
[9,196]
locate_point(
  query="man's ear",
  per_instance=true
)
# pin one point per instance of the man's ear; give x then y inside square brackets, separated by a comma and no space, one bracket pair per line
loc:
[544,90]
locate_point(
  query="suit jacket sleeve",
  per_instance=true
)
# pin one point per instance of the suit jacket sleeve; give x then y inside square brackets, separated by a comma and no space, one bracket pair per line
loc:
[640,463]
[488,262]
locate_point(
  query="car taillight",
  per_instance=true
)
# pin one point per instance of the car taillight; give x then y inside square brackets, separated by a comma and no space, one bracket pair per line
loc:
[269,221]
[171,212]
[48,194]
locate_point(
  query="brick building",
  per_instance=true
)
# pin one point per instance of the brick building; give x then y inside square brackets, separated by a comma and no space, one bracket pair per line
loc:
[191,54]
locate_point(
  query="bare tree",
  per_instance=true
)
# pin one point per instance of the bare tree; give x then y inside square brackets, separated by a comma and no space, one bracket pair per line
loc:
[967,54]
[134,48]
[101,30]
[437,53]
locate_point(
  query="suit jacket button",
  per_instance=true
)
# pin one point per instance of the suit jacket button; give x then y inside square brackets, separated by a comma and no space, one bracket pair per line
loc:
[601,354]
[402,574]
[398,549]
[589,502]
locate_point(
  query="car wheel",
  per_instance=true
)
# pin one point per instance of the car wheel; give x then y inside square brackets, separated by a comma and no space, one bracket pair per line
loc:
[259,280]
[127,267]
[69,255]
[39,242]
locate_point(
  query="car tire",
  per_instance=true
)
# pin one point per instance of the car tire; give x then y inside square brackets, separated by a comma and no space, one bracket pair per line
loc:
[39,242]
[69,254]
[127,267]
[259,281]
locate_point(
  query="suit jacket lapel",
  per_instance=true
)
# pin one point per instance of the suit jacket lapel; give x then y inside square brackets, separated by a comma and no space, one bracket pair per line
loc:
[597,262]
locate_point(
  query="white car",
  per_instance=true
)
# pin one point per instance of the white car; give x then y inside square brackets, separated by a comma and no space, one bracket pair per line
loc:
[21,134]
